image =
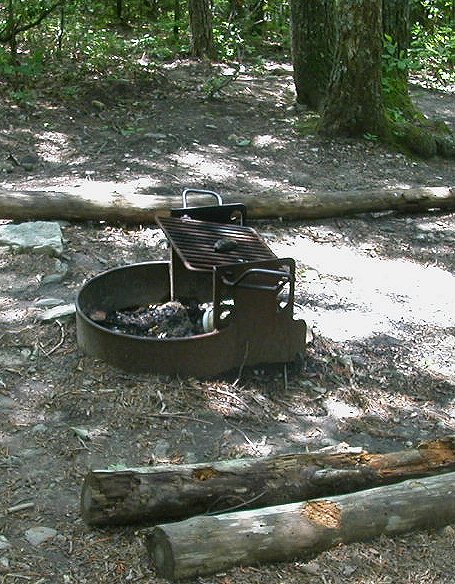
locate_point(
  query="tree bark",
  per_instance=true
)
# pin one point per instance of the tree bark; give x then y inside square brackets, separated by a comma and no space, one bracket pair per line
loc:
[355,103]
[313,35]
[396,23]
[207,544]
[173,492]
[142,209]
[202,43]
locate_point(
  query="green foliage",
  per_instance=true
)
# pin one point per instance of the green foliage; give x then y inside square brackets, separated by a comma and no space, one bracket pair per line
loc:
[433,40]
[433,53]
[308,124]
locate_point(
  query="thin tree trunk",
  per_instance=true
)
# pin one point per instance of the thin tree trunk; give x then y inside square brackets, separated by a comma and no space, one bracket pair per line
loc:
[177,17]
[355,104]
[202,43]
[313,35]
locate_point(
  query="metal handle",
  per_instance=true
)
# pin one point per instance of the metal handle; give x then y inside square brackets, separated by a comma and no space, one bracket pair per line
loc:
[200,192]
[284,277]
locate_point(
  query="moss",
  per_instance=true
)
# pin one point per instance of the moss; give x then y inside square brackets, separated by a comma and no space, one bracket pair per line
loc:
[412,131]
[415,140]
[445,146]
[397,100]
[308,125]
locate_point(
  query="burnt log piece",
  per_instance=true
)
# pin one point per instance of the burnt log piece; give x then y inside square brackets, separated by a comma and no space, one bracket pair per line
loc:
[151,495]
[206,544]
[142,209]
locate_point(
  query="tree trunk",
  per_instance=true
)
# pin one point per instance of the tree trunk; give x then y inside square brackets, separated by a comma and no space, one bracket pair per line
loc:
[166,493]
[177,17]
[207,544]
[396,23]
[142,209]
[396,26]
[202,43]
[355,102]
[257,17]
[313,33]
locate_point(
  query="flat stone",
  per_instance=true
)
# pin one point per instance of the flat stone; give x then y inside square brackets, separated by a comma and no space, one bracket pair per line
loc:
[33,236]
[64,311]
[6,403]
[38,535]
[4,543]
[52,279]
[14,356]
[4,564]
[49,302]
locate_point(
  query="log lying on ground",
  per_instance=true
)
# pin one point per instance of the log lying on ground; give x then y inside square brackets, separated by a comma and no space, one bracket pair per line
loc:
[85,204]
[207,544]
[171,492]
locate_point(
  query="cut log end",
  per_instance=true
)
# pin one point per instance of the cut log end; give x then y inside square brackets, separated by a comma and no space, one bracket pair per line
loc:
[161,554]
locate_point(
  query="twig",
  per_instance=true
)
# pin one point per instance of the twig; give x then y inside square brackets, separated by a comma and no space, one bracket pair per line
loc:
[182,416]
[160,397]
[61,341]
[242,365]
[234,397]
[240,431]
[20,507]
[239,506]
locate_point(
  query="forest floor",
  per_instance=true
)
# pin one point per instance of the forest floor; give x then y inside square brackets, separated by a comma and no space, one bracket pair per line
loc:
[376,290]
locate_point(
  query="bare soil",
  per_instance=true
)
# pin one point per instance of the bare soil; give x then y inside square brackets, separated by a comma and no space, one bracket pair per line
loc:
[377,291]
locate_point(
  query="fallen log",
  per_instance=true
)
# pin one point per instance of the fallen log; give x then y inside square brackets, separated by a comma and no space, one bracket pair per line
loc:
[150,495]
[108,205]
[207,544]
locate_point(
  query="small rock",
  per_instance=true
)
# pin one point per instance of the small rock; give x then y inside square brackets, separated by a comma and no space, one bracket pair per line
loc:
[161,449]
[49,302]
[4,543]
[39,429]
[66,310]
[52,279]
[4,564]
[38,535]
[7,167]
[312,568]
[447,531]
[97,104]
[348,570]
[14,356]
[29,161]
[156,136]
[33,236]
[7,403]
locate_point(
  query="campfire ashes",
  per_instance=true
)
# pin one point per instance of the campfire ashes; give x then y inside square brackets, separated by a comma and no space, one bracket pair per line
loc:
[162,321]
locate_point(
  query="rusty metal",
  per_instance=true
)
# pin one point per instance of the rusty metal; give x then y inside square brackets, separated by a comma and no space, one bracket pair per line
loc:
[220,213]
[195,243]
[249,291]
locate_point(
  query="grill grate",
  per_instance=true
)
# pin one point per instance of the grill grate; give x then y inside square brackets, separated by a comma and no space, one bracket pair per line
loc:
[195,243]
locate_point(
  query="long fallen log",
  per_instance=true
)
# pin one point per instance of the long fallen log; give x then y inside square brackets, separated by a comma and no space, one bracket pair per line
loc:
[150,495]
[91,203]
[206,544]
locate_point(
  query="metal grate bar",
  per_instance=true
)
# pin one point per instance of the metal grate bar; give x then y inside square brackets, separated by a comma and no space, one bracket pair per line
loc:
[194,241]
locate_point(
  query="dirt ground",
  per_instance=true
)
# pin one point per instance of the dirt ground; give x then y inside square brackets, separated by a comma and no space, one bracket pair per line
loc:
[376,290]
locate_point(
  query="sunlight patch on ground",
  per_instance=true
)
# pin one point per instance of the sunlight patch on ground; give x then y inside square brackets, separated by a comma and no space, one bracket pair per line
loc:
[359,296]
[52,146]
[268,141]
[214,169]
[13,315]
